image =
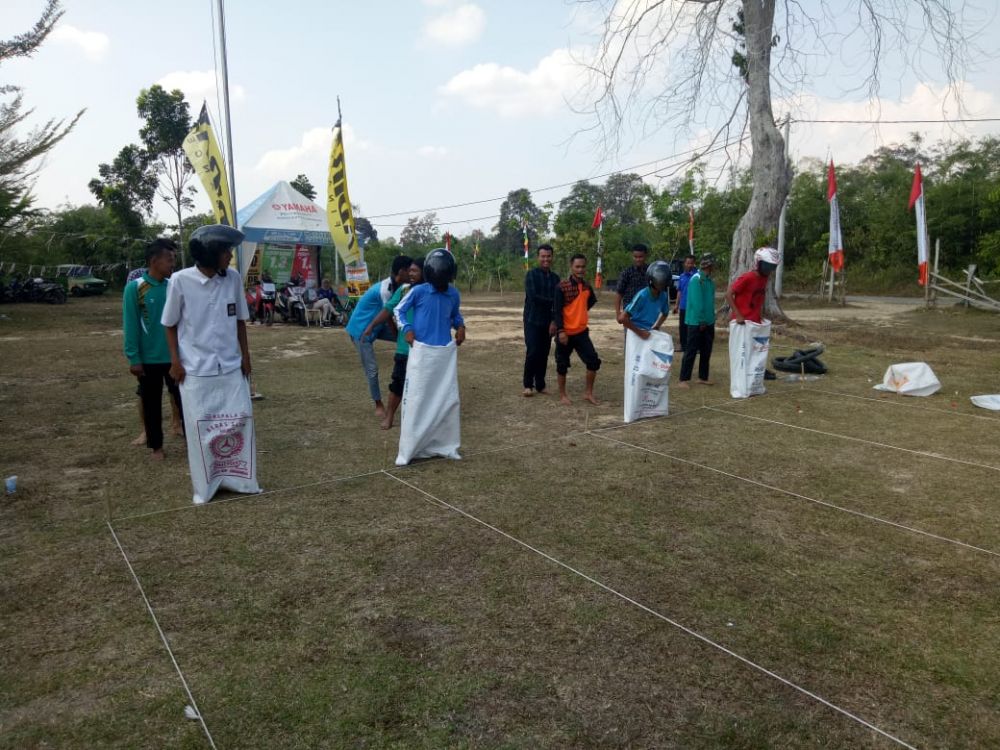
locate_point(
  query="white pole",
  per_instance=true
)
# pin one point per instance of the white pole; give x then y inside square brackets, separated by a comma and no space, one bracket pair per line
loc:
[227,123]
[780,271]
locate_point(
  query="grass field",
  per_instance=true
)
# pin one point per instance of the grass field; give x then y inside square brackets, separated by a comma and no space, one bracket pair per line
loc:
[817,567]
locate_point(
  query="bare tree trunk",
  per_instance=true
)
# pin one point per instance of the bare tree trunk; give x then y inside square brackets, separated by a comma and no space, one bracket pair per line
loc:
[769,168]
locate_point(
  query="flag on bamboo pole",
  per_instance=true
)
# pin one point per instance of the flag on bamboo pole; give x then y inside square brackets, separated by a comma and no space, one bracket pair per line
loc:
[202,150]
[447,241]
[691,230]
[339,213]
[598,224]
[524,230]
[835,248]
[917,199]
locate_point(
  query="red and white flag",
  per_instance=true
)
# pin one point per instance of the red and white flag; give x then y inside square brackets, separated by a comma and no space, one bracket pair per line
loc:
[447,241]
[598,222]
[691,230]
[917,199]
[836,246]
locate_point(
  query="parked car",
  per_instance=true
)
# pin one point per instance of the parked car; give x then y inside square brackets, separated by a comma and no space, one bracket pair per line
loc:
[79,280]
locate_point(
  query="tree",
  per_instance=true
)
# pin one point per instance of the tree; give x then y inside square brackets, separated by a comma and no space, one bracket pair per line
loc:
[516,212]
[304,186]
[127,187]
[576,210]
[167,121]
[20,158]
[690,44]
[420,232]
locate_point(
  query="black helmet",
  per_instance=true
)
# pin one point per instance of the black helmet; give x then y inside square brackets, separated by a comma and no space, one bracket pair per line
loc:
[439,268]
[209,241]
[659,275]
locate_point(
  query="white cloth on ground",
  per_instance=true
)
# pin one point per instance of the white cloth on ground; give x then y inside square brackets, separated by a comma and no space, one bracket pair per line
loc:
[222,448]
[910,379]
[647,374]
[430,424]
[991,401]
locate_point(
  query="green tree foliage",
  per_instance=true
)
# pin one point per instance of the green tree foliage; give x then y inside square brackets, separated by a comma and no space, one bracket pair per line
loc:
[20,155]
[127,187]
[166,121]
[517,211]
[304,186]
[420,233]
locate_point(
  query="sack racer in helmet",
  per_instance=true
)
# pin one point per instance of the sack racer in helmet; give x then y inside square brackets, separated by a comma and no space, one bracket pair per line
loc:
[649,307]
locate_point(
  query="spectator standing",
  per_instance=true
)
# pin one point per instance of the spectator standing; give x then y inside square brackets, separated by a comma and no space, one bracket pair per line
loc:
[700,313]
[681,301]
[570,312]
[539,294]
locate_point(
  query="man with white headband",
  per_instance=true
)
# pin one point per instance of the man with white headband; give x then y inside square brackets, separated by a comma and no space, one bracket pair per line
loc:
[747,292]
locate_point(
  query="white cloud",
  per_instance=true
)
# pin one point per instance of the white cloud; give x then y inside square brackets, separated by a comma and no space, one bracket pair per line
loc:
[198,85]
[514,93]
[463,25]
[432,151]
[94,44]
[310,155]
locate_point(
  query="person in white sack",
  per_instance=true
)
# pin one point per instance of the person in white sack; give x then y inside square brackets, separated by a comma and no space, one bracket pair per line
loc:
[649,307]
[747,292]
[205,319]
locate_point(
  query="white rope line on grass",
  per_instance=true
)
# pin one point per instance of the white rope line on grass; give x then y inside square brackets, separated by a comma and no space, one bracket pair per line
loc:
[897,402]
[794,494]
[683,628]
[926,454]
[163,637]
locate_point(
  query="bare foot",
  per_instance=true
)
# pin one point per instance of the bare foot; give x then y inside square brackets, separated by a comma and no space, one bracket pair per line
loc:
[379,410]
[706,382]
[527,393]
[157,455]
[590,397]
[683,384]
[386,424]
[543,392]
[141,440]
[177,430]
[564,400]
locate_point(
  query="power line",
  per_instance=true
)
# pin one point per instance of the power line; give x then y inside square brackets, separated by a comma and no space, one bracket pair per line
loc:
[900,122]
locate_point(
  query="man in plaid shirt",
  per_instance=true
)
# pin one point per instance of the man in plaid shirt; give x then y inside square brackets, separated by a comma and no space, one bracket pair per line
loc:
[631,280]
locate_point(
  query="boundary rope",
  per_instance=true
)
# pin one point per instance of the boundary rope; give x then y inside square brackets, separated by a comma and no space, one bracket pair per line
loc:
[895,402]
[683,628]
[163,637]
[791,493]
[926,454]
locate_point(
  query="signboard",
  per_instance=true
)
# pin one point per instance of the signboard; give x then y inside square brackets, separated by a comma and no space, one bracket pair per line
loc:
[357,279]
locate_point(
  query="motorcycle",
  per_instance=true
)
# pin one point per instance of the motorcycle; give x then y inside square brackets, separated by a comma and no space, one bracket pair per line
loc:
[261,302]
[40,290]
[290,304]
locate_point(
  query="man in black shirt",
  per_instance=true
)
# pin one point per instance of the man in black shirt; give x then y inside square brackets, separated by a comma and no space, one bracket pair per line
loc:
[631,280]
[539,292]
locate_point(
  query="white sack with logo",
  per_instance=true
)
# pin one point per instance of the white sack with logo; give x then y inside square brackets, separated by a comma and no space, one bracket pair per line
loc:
[749,345]
[910,379]
[218,420]
[991,401]
[430,424]
[647,374]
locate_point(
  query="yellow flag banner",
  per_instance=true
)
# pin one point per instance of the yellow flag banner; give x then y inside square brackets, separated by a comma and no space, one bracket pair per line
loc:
[203,152]
[338,203]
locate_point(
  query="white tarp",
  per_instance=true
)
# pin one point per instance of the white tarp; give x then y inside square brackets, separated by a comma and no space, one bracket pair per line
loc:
[430,424]
[910,379]
[282,215]
[991,402]
[218,420]
[647,374]
[749,345]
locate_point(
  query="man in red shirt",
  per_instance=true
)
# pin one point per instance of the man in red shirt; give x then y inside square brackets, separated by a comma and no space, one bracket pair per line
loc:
[747,292]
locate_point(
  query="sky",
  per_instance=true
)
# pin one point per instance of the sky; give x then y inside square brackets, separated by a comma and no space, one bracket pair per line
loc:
[444,101]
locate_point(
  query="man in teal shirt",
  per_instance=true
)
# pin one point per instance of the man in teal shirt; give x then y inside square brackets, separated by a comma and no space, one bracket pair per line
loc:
[146,340]
[402,355]
[699,316]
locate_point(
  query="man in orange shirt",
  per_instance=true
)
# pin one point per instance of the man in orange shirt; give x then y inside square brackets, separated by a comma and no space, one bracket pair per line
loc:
[573,299]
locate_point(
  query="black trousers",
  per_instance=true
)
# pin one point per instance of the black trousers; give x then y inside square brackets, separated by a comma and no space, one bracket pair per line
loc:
[538,343]
[151,393]
[699,342]
[682,329]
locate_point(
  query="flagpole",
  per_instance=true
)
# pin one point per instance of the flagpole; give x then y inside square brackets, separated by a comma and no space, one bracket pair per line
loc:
[779,272]
[227,121]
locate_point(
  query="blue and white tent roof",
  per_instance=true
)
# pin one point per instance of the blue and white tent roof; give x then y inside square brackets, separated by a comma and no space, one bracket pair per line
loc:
[283,214]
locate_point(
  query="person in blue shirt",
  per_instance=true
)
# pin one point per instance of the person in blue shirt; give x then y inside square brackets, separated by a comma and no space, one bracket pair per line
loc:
[649,307]
[368,307]
[435,305]
[681,302]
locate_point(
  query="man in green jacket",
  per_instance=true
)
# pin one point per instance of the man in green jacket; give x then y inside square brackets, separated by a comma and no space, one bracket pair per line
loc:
[146,340]
[699,316]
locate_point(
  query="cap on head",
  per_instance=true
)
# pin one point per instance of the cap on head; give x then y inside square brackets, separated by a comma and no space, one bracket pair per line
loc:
[439,268]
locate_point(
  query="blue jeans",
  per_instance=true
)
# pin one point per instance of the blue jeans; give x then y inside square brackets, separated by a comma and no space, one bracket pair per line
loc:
[366,350]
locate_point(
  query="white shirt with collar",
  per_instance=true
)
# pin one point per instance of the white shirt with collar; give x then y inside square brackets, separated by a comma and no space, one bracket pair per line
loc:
[385,289]
[205,310]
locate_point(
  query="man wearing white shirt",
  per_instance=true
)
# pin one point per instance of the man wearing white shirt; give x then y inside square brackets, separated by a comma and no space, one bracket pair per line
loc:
[205,319]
